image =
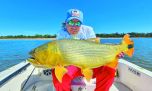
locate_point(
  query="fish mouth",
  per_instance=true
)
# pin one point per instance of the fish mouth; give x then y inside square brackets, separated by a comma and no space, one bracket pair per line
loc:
[34,62]
[31,59]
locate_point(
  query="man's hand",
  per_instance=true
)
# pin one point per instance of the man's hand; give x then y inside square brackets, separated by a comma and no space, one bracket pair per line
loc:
[121,55]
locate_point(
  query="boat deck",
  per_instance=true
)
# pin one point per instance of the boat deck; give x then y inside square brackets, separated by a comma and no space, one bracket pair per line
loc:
[42,83]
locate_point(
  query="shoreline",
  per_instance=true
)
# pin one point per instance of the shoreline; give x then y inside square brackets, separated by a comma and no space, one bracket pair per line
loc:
[28,39]
[55,38]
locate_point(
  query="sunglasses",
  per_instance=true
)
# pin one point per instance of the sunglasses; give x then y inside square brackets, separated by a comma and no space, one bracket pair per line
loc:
[72,23]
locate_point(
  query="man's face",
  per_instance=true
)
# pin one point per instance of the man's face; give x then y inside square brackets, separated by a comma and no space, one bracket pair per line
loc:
[73,26]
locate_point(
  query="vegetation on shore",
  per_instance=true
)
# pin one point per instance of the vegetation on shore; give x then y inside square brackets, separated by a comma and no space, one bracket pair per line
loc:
[28,36]
[132,34]
[114,35]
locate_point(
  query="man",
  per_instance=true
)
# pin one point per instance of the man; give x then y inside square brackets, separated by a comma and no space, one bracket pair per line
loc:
[73,29]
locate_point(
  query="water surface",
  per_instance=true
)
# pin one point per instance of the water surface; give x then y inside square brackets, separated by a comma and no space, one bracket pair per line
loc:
[15,51]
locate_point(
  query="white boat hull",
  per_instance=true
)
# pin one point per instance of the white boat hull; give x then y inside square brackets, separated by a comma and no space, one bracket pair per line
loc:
[131,78]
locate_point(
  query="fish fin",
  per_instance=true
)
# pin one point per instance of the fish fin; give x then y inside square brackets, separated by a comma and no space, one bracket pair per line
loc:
[130,44]
[130,52]
[59,72]
[87,74]
[96,40]
[113,64]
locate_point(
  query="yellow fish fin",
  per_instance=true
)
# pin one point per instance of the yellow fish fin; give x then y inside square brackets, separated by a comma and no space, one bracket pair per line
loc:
[113,64]
[130,44]
[87,73]
[59,72]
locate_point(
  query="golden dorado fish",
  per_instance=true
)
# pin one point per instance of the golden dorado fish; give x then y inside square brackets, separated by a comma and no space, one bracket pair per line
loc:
[81,53]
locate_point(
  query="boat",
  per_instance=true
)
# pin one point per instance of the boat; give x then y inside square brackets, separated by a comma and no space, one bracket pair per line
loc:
[25,77]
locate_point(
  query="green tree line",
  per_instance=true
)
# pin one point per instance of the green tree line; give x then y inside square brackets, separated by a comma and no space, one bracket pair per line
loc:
[132,34]
[28,36]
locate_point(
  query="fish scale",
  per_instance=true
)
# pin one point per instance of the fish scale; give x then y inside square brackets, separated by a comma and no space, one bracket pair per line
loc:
[88,53]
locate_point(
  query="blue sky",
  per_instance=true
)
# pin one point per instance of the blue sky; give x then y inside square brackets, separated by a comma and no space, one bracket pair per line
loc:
[30,17]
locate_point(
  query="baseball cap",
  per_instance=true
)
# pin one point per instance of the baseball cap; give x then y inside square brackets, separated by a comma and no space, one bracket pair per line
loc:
[74,14]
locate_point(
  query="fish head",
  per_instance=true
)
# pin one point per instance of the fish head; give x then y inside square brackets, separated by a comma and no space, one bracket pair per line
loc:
[44,55]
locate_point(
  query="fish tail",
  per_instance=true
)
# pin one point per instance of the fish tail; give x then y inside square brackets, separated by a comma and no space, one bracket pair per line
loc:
[130,45]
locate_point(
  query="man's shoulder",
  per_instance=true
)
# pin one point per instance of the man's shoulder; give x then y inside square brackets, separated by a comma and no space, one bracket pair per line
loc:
[87,31]
[86,28]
